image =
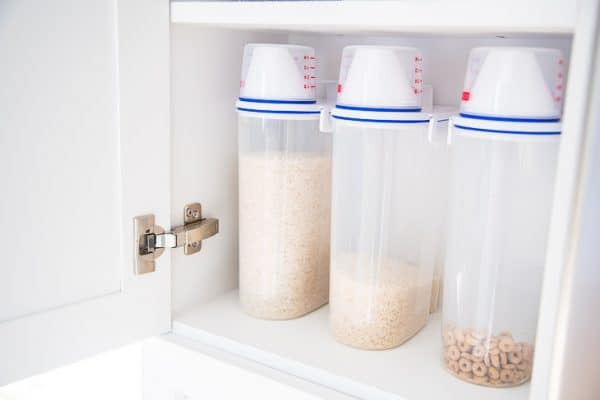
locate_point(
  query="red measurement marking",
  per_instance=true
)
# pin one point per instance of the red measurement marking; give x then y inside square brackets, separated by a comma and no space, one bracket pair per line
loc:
[307,67]
[559,87]
[418,59]
[557,98]
[418,80]
[309,86]
[309,77]
[241,83]
[466,96]
[339,88]
[418,70]
[561,61]
[560,75]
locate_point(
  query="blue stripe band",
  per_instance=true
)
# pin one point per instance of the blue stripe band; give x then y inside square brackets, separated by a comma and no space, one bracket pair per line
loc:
[506,119]
[507,132]
[387,121]
[277,111]
[375,109]
[249,100]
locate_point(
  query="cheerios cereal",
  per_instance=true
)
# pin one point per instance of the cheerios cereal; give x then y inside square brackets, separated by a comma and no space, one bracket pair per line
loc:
[485,359]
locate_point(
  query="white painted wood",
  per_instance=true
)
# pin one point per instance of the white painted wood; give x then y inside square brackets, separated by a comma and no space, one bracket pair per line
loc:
[204,135]
[575,369]
[84,145]
[59,153]
[114,375]
[178,368]
[205,84]
[557,304]
[423,16]
[304,348]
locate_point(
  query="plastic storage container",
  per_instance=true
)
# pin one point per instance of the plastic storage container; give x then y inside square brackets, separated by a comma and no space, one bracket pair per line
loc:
[439,159]
[383,244]
[504,154]
[284,184]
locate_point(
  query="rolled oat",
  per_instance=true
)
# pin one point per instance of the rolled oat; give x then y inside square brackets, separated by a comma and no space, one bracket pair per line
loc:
[284,233]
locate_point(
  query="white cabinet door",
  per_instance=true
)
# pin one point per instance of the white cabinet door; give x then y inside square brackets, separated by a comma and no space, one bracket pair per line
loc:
[84,147]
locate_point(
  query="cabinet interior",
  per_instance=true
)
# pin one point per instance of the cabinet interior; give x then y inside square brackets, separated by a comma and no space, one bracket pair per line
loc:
[205,73]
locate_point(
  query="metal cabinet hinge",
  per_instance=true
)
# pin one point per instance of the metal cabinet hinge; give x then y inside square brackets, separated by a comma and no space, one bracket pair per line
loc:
[151,240]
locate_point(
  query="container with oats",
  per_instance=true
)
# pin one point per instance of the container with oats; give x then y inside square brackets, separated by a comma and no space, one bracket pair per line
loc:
[284,184]
[384,245]
[504,154]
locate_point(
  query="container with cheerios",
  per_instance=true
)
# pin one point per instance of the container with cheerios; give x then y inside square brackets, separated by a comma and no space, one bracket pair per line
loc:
[504,153]
[484,358]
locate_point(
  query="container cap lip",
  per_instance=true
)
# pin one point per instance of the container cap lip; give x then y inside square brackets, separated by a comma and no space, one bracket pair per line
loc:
[277,101]
[502,125]
[503,118]
[539,49]
[381,115]
[271,108]
[392,119]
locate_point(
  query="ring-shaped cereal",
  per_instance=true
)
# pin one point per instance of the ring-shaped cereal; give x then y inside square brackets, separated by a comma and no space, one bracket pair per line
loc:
[459,335]
[449,338]
[464,347]
[478,351]
[506,344]
[515,357]
[464,365]
[453,353]
[479,369]
[503,359]
[453,365]
[495,359]
[493,373]
[506,375]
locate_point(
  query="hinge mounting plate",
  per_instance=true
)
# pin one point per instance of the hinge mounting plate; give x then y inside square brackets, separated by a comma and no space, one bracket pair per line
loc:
[151,240]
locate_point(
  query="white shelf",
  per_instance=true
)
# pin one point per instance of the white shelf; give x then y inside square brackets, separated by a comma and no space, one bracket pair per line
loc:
[411,16]
[304,348]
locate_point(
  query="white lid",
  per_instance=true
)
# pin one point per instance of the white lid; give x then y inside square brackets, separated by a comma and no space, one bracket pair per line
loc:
[278,72]
[380,77]
[514,82]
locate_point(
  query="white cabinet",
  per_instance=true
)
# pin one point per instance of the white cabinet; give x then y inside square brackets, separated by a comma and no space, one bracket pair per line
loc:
[84,146]
[116,109]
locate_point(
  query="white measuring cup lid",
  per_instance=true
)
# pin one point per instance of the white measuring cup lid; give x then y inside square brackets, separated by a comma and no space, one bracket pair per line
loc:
[514,82]
[380,84]
[278,79]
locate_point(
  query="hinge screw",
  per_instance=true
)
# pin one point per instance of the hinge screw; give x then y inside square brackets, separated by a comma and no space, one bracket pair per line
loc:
[192,213]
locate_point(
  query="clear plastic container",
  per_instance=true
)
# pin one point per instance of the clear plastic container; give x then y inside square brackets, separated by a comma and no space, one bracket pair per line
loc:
[383,242]
[284,186]
[438,164]
[503,169]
